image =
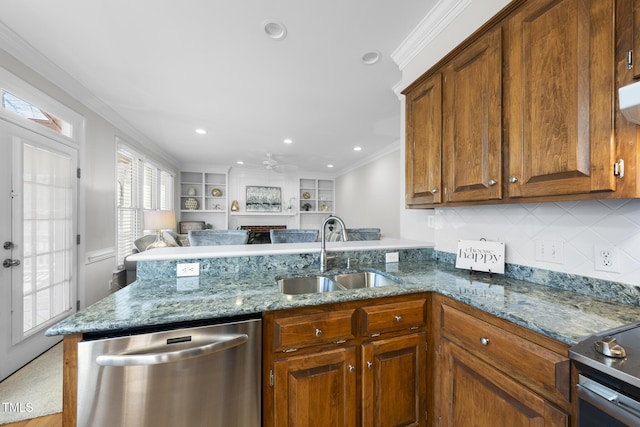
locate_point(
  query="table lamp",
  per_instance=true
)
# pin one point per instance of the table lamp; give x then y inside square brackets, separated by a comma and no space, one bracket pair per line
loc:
[159,221]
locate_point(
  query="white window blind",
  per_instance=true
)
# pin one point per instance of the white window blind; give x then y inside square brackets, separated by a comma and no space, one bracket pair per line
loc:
[141,185]
[166,191]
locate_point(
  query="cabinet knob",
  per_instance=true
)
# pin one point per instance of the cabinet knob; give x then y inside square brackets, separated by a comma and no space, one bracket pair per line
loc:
[434,190]
[398,319]
[492,182]
[370,365]
[352,368]
[318,332]
[484,341]
[513,179]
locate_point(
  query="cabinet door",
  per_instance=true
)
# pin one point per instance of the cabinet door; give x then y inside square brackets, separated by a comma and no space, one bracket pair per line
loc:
[423,155]
[316,389]
[393,382]
[636,39]
[474,393]
[560,103]
[472,134]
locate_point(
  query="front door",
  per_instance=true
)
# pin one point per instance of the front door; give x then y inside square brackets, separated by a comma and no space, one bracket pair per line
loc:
[38,189]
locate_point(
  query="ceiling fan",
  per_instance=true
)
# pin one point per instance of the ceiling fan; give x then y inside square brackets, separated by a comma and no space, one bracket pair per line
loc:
[271,164]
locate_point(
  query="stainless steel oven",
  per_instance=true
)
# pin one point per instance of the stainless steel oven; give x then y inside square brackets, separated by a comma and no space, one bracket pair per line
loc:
[196,376]
[608,386]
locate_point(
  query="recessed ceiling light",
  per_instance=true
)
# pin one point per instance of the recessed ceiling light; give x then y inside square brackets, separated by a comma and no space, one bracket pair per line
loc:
[201,131]
[240,162]
[329,166]
[275,30]
[371,58]
[357,148]
[288,141]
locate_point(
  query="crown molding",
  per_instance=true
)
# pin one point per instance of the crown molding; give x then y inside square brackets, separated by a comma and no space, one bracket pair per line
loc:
[395,146]
[439,18]
[398,88]
[17,47]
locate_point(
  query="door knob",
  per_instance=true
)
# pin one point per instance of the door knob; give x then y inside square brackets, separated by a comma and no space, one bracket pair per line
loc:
[8,245]
[492,182]
[10,263]
[513,179]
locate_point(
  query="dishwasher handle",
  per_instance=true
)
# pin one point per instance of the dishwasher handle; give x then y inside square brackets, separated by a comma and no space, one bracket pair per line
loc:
[614,404]
[222,342]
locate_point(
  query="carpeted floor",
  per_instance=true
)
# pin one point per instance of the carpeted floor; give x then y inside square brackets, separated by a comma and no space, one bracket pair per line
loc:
[34,390]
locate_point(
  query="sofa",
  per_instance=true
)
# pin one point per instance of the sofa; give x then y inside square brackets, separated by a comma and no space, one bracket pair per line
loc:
[141,244]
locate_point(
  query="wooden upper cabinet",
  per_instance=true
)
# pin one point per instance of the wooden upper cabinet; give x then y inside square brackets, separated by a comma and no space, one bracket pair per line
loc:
[636,39]
[472,128]
[560,89]
[423,143]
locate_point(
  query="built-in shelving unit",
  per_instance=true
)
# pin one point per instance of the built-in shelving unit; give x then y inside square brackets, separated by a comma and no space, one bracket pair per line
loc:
[316,196]
[204,197]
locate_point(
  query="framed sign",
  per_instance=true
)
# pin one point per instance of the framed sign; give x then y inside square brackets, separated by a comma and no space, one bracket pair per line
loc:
[480,255]
[185,226]
[263,199]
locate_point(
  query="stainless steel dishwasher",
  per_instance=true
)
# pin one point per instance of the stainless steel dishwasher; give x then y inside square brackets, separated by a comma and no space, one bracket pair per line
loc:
[197,376]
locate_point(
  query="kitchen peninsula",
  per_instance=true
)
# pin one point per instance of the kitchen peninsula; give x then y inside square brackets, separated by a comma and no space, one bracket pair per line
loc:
[241,281]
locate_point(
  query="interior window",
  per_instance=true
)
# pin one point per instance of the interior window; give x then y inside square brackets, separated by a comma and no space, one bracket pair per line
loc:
[24,109]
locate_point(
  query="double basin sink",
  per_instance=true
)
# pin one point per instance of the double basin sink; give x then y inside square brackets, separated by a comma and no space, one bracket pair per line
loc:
[333,282]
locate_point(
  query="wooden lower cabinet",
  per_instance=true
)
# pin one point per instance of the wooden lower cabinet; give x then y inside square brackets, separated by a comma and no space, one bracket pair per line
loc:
[367,366]
[393,381]
[474,393]
[491,372]
[316,389]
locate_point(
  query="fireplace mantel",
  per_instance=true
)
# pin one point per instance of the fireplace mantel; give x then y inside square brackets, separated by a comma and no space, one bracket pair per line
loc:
[263,213]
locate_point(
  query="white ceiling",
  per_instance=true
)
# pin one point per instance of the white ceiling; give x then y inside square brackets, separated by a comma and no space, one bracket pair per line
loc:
[168,67]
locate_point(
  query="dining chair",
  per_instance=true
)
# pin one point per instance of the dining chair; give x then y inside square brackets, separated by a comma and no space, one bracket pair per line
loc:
[293,235]
[218,237]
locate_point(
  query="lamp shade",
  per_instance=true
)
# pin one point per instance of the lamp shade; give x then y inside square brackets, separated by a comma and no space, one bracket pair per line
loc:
[159,220]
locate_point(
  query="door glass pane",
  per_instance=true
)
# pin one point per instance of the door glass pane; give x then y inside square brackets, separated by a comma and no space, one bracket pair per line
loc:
[48,235]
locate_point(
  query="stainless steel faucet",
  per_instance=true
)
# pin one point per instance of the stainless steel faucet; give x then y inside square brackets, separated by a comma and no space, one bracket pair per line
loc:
[323,251]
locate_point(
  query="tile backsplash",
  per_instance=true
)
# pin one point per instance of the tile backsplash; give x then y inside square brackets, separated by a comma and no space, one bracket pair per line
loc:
[579,226]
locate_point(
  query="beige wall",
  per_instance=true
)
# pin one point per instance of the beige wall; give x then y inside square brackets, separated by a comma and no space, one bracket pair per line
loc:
[368,196]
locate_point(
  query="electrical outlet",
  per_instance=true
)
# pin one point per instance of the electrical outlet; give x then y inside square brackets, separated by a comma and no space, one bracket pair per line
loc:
[392,257]
[607,258]
[550,251]
[188,269]
[431,221]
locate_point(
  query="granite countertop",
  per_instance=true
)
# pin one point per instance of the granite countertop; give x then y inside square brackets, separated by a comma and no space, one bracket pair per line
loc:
[203,252]
[563,315]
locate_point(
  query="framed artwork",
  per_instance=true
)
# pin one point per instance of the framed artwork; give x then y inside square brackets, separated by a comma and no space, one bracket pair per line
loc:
[263,199]
[185,226]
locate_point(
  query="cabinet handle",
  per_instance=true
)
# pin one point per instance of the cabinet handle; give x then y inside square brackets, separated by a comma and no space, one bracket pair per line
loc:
[370,365]
[513,179]
[318,332]
[398,319]
[434,190]
[484,341]
[492,182]
[352,368]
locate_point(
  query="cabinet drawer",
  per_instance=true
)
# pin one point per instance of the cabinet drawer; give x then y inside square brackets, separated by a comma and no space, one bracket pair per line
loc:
[533,365]
[393,317]
[313,329]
